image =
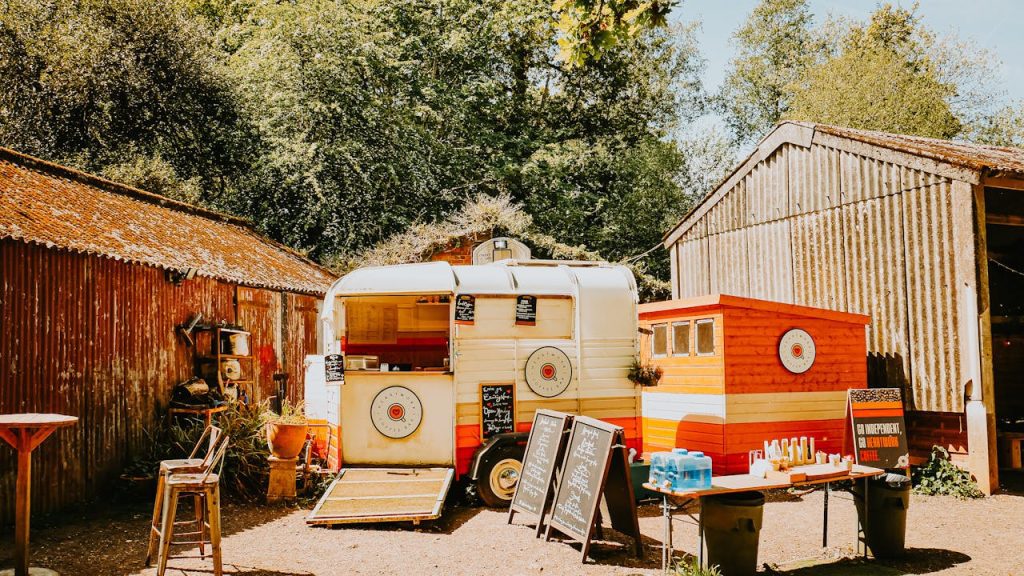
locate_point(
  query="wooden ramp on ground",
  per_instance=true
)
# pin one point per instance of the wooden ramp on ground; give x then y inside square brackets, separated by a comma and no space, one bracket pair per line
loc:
[383,495]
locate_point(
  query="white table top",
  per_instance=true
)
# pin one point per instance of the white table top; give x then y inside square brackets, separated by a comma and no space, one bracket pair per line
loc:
[35,420]
[746,482]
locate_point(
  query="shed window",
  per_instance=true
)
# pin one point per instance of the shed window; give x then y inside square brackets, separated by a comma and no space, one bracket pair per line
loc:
[680,338]
[659,340]
[706,337]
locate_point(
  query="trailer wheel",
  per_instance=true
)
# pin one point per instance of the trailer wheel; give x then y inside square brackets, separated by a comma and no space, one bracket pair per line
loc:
[497,481]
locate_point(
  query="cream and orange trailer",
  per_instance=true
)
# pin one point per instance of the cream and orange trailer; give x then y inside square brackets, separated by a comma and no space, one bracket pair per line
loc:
[422,341]
[739,371]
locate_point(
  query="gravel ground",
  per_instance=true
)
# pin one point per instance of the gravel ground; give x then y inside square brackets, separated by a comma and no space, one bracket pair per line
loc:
[945,536]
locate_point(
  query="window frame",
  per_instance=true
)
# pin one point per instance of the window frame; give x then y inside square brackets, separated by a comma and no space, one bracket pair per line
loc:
[689,338]
[654,328]
[696,336]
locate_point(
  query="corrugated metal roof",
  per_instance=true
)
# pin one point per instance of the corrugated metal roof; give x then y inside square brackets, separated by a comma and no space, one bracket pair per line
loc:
[974,156]
[55,206]
[965,158]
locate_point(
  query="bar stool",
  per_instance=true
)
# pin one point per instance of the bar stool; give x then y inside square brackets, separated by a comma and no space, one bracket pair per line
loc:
[207,485]
[212,436]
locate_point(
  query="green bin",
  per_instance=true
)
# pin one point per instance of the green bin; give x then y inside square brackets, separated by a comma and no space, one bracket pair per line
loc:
[732,529]
[885,528]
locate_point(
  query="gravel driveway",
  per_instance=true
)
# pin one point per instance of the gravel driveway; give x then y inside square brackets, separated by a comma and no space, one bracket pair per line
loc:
[945,536]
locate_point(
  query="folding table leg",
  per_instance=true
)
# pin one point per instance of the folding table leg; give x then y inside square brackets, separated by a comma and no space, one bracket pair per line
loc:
[824,532]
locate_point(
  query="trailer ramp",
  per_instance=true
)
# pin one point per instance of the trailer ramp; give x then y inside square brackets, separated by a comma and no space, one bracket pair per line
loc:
[383,495]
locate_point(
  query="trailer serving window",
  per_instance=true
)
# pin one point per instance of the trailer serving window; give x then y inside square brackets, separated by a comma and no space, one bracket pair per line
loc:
[397,333]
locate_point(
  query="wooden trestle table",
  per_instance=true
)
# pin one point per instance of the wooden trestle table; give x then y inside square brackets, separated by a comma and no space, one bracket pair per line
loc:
[742,483]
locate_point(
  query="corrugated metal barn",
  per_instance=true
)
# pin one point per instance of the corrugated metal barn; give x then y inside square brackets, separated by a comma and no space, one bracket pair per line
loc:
[925,236]
[89,306]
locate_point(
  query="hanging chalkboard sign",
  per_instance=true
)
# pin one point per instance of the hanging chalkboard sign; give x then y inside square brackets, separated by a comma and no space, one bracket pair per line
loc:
[879,431]
[465,309]
[526,310]
[334,367]
[595,464]
[497,409]
[543,454]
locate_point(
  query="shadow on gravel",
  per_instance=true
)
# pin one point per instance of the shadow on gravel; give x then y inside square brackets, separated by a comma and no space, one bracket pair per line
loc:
[916,561]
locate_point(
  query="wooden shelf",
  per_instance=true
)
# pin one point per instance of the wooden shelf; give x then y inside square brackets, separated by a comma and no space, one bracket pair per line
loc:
[226,357]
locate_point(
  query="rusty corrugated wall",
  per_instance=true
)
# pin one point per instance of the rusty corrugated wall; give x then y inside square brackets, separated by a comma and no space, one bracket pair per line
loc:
[94,337]
[839,229]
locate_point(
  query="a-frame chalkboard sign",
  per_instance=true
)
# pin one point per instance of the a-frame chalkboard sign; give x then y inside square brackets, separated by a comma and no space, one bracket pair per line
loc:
[544,451]
[595,463]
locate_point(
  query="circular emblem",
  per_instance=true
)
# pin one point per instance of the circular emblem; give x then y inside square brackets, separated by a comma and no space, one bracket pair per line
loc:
[548,371]
[396,412]
[796,350]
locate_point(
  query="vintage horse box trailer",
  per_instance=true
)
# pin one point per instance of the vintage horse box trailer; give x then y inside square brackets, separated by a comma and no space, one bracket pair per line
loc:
[444,366]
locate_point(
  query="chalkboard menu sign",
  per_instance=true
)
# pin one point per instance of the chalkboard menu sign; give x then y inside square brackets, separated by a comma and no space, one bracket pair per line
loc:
[526,310]
[879,432]
[465,309]
[497,409]
[595,464]
[334,366]
[540,464]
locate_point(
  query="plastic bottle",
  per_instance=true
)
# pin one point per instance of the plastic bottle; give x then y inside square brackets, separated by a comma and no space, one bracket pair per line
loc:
[658,463]
[701,470]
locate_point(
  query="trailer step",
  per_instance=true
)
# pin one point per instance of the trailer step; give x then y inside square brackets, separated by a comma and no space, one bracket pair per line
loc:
[383,495]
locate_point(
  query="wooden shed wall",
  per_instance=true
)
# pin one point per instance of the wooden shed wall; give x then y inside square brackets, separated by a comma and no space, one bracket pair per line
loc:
[94,337]
[846,230]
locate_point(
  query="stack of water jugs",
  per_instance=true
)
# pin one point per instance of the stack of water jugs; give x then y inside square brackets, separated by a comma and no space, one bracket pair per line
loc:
[681,470]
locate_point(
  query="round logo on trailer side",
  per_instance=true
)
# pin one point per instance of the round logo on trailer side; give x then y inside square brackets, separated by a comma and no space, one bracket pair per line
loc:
[797,351]
[396,412]
[548,371]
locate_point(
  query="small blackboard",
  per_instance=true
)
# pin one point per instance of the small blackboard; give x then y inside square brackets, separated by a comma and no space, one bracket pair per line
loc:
[334,367]
[543,454]
[526,310]
[497,409]
[879,430]
[595,464]
[465,309]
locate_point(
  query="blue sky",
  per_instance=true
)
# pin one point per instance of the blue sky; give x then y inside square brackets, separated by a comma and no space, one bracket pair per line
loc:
[992,24]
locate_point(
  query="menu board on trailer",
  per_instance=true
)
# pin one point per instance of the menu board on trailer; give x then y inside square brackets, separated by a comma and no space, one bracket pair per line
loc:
[334,368]
[595,464]
[543,454]
[497,409]
[879,430]
[465,309]
[526,310]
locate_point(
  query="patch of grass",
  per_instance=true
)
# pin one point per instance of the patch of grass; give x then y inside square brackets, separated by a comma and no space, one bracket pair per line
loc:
[693,568]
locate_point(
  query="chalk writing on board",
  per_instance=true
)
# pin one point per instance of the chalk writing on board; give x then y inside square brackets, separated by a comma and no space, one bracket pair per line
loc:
[334,368]
[497,409]
[579,480]
[539,462]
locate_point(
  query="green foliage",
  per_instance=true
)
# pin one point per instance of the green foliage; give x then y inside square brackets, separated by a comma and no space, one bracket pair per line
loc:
[775,46]
[1004,128]
[118,82]
[890,73]
[941,476]
[876,90]
[245,469]
[644,374]
[693,568]
[589,27]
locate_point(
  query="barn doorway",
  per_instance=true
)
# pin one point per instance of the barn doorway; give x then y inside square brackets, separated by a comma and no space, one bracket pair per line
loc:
[1005,232]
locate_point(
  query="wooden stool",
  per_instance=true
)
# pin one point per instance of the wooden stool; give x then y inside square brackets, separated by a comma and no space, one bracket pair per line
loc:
[281,484]
[191,465]
[207,486]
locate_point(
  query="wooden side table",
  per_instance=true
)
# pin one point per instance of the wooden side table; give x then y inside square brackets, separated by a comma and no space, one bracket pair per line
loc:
[24,432]
[206,413]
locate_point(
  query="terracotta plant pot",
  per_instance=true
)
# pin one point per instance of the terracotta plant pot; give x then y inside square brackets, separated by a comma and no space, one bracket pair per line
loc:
[285,440]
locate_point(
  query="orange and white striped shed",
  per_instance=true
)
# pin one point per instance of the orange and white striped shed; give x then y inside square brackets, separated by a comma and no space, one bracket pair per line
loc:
[725,389]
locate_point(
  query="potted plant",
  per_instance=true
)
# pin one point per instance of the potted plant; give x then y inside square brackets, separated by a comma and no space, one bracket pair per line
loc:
[286,432]
[644,374]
